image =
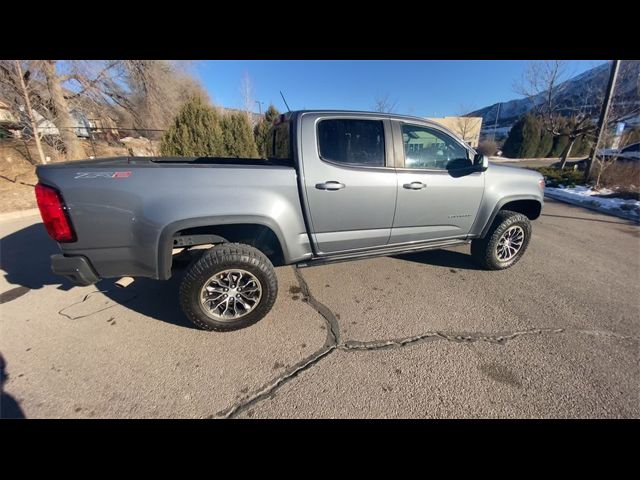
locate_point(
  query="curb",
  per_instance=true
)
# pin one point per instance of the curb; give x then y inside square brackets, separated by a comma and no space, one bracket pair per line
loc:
[606,211]
[19,214]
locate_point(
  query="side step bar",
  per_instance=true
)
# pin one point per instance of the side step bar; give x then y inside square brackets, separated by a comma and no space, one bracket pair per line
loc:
[383,252]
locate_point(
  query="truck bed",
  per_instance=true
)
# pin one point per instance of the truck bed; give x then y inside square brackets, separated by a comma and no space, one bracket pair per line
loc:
[126,210]
[123,161]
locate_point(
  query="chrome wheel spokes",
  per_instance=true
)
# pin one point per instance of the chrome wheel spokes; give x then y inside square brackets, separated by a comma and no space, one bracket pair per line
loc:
[510,243]
[230,294]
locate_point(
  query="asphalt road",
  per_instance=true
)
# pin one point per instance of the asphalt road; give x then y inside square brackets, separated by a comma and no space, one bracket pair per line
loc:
[421,335]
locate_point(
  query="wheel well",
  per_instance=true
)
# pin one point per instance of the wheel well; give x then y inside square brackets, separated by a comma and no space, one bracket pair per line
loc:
[255,235]
[530,208]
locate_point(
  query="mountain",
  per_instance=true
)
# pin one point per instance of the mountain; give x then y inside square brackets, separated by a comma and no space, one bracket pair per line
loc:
[586,87]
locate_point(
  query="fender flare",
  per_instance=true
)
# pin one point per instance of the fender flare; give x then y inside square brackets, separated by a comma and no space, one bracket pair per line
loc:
[165,240]
[503,201]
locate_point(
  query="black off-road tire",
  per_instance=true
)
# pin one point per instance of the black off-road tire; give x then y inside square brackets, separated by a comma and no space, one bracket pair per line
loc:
[483,250]
[217,259]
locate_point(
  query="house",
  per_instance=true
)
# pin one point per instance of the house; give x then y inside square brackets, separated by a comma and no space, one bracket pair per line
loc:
[466,128]
[85,122]
[8,121]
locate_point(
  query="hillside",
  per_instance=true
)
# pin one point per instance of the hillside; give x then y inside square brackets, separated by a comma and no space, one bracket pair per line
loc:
[593,80]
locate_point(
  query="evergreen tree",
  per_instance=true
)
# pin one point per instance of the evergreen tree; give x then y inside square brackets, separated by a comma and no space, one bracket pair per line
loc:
[513,144]
[559,144]
[263,128]
[237,136]
[546,143]
[523,138]
[581,147]
[531,136]
[195,132]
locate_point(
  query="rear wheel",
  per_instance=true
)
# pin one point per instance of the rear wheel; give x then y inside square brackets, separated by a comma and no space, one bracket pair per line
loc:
[230,287]
[505,242]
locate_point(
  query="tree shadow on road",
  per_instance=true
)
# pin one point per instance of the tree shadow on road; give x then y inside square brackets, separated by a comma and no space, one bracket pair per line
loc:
[25,259]
[441,258]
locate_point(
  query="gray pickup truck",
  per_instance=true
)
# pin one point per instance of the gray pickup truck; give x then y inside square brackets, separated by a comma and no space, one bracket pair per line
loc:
[336,186]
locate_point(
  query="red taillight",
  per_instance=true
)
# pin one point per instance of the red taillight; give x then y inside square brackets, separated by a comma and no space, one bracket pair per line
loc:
[54,215]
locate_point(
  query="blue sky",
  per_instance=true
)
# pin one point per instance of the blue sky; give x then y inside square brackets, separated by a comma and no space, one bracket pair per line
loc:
[423,88]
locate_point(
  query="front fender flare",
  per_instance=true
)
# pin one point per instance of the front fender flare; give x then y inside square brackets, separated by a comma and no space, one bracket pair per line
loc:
[501,203]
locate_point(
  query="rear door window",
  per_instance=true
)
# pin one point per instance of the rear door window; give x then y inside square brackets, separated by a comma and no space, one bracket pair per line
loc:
[352,142]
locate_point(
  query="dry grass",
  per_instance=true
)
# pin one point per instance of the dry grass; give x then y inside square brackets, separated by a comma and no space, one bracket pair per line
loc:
[17,171]
[623,177]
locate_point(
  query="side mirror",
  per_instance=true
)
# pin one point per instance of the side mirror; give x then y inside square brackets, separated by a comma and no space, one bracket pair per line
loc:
[480,162]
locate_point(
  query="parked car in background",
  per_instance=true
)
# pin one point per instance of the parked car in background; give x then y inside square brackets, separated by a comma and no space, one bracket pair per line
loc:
[629,153]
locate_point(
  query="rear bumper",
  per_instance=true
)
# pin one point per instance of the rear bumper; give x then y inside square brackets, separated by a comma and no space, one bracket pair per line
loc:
[78,269]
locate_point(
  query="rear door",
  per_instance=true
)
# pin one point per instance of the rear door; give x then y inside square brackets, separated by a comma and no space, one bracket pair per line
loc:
[438,198]
[349,180]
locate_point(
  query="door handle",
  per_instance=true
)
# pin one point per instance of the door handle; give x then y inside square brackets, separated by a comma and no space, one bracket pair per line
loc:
[330,185]
[414,186]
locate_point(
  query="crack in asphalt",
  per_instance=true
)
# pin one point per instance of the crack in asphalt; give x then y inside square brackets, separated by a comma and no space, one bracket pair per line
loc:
[605,333]
[86,297]
[333,332]
[451,337]
[332,343]
[270,388]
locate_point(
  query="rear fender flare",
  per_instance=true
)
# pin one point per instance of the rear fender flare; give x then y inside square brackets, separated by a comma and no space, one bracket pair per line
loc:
[165,242]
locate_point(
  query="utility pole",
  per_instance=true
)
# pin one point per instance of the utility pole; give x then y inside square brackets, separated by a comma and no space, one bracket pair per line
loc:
[604,113]
[495,125]
[259,106]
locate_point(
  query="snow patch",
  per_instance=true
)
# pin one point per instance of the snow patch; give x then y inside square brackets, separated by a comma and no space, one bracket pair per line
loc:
[590,198]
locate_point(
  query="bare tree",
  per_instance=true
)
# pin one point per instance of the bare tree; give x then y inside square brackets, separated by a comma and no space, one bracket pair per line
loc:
[247,94]
[140,94]
[464,126]
[384,105]
[563,115]
[53,95]
[63,119]
[16,88]
[156,89]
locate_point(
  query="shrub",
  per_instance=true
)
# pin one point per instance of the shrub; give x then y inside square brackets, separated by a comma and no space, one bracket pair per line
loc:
[262,129]
[581,147]
[545,144]
[195,132]
[554,177]
[523,138]
[621,176]
[559,144]
[237,136]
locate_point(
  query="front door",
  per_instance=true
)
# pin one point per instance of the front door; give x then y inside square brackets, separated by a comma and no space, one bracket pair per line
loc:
[349,180]
[437,198]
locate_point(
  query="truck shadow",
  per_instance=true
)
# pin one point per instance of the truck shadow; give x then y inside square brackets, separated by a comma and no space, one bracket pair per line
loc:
[24,257]
[441,258]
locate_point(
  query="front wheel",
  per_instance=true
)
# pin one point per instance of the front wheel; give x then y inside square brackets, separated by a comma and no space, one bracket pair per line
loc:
[230,287]
[505,242]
